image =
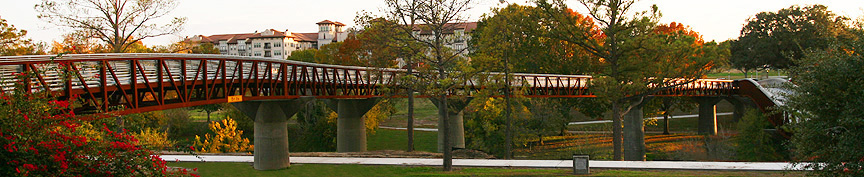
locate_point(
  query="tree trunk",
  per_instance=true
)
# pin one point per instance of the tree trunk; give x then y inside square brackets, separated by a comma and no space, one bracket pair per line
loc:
[410,114]
[666,122]
[617,134]
[442,112]
[508,140]
[208,116]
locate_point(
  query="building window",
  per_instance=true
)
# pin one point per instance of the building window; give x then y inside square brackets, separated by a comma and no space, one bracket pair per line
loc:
[266,53]
[277,53]
[257,54]
[278,44]
[257,45]
[292,44]
[267,45]
[324,28]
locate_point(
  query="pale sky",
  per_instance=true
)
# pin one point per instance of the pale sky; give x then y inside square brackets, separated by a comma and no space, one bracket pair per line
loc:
[714,19]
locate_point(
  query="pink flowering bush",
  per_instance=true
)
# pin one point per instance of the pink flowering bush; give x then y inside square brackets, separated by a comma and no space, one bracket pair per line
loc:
[40,135]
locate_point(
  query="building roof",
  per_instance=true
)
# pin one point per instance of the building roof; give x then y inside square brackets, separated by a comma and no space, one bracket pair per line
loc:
[449,28]
[313,37]
[270,33]
[330,22]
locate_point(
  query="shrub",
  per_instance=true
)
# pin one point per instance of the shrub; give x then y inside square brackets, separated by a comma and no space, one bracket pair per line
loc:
[226,139]
[753,143]
[153,139]
[41,136]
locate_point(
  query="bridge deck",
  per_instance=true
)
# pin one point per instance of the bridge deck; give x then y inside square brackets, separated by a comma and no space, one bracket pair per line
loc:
[145,82]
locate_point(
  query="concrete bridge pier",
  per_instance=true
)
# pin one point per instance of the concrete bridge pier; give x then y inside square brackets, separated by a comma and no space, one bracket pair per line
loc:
[457,128]
[634,133]
[350,125]
[707,114]
[742,104]
[271,130]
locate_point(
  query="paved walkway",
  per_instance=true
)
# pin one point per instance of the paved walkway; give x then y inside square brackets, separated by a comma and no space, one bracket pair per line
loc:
[673,117]
[678,165]
[571,123]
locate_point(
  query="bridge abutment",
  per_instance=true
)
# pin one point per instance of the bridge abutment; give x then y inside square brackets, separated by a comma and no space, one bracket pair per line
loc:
[271,130]
[457,128]
[634,133]
[707,114]
[350,125]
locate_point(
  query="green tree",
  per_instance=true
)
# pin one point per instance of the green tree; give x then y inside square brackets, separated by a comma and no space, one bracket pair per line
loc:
[305,55]
[634,52]
[513,40]
[754,143]
[118,23]
[386,47]
[826,109]
[210,108]
[13,41]
[440,19]
[775,39]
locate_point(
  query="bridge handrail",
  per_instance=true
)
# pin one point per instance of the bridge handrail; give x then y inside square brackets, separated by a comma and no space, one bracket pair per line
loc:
[6,60]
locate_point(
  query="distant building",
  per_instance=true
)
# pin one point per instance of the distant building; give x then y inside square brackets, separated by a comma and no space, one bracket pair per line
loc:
[280,44]
[273,43]
[457,34]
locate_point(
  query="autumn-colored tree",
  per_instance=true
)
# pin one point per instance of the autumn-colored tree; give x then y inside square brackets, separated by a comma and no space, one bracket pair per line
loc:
[635,58]
[120,24]
[192,47]
[78,43]
[13,41]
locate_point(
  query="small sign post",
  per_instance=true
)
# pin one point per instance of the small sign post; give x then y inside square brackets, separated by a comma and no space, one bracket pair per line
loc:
[236,98]
[580,165]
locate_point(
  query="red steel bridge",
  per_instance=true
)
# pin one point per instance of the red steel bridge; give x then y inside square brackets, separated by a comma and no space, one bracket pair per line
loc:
[133,83]
[267,90]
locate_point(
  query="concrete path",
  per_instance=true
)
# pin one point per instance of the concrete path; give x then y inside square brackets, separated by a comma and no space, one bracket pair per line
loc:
[415,129]
[674,117]
[571,123]
[677,165]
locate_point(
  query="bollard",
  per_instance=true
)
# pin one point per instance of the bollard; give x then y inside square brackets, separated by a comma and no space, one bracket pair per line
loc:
[580,165]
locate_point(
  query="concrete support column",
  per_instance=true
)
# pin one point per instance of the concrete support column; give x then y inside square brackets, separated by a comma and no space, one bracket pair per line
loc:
[742,104]
[271,130]
[350,125]
[634,134]
[707,114]
[457,127]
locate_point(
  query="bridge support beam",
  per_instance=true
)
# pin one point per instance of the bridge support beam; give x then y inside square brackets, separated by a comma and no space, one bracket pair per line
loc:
[634,133]
[707,114]
[350,125]
[457,128]
[271,130]
[742,104]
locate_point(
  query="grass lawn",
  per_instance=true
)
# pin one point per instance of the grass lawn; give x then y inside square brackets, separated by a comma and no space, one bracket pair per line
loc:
[199,115]
[425,113]
[385,139]
[216,169]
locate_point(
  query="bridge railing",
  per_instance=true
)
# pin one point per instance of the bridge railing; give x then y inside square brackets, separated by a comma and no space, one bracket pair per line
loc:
[144,82]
